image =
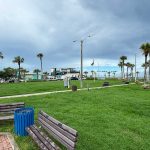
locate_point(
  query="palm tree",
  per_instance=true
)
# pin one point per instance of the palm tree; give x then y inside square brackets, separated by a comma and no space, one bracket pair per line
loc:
[148,48]
[92,73]
[123,58]
[128,65]
[114,73]
[45,74]
[18,60]
[40,55]
[23,71]
[137,74]
[145,66]
[1,55]
[144,48]
[105,75]
[109,74]
[121,66]
[132,66]
[85,72]
[37,72]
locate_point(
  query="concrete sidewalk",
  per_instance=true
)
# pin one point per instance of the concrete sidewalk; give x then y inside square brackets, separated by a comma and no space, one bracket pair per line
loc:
[63,91]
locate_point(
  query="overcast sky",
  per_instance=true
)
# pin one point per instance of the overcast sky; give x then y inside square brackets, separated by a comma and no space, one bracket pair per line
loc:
[118,27]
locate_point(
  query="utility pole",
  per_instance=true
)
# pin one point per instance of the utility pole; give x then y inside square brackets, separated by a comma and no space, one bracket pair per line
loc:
[135,68]
[81,70]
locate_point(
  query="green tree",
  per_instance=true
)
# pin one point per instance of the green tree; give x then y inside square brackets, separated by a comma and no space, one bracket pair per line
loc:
[18,60]
[123,58]
[23,72]
[37,72]
[8,73]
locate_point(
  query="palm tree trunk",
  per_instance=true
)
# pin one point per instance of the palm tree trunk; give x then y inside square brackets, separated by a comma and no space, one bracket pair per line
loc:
[41,69]
[41,66]
[149,67]
[121,73]
[132,73]
[24,75]
[19,71]
[145,75]
[123,70]
[37,75]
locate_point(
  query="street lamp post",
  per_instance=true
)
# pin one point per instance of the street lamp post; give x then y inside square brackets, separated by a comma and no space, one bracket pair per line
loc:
[81,69]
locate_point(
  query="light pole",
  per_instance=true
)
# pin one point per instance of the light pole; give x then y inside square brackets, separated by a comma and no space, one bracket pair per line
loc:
[81,61]
[81,72]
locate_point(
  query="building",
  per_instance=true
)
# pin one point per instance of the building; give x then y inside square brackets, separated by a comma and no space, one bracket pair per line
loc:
[33,76]
[61,73]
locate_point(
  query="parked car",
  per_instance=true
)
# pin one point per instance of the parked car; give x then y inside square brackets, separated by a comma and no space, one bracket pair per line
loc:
[11,81]
[74,78]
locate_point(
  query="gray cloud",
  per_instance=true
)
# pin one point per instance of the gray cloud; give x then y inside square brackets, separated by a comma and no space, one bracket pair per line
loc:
[28,27]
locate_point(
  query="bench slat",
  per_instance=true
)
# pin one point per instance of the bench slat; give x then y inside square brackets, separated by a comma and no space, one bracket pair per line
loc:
[35,138]
[57,135]
[41,138]
[47,138]
[6,117]
[9,109]
[65,133]
[12,104]
[61,125]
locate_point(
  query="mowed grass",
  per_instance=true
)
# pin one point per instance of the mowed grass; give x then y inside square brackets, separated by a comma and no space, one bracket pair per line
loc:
[115,118]
[34,87]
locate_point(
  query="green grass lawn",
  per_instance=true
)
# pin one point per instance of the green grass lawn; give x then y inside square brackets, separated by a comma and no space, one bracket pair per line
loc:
[115,118]
[34,87]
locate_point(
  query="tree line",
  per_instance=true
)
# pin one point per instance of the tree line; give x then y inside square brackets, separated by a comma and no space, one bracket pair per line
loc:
[11,72]
[145,49]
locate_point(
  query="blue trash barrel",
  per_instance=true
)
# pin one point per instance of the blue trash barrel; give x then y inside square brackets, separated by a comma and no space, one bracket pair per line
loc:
[23,117]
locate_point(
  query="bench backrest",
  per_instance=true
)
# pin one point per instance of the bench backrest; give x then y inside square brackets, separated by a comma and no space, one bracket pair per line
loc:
[10,108]
[59,131]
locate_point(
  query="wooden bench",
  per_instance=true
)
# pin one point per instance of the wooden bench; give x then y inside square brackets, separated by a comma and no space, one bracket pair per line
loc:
[57,130]
[7,110]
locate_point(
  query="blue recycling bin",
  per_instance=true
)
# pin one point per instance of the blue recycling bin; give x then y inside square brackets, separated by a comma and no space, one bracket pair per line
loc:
[23,117]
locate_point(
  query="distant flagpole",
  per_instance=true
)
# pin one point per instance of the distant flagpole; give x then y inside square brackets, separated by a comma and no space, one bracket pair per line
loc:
[92,63]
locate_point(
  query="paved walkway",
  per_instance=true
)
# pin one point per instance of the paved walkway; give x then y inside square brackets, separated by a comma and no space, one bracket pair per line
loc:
[5,143]
[63,91]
